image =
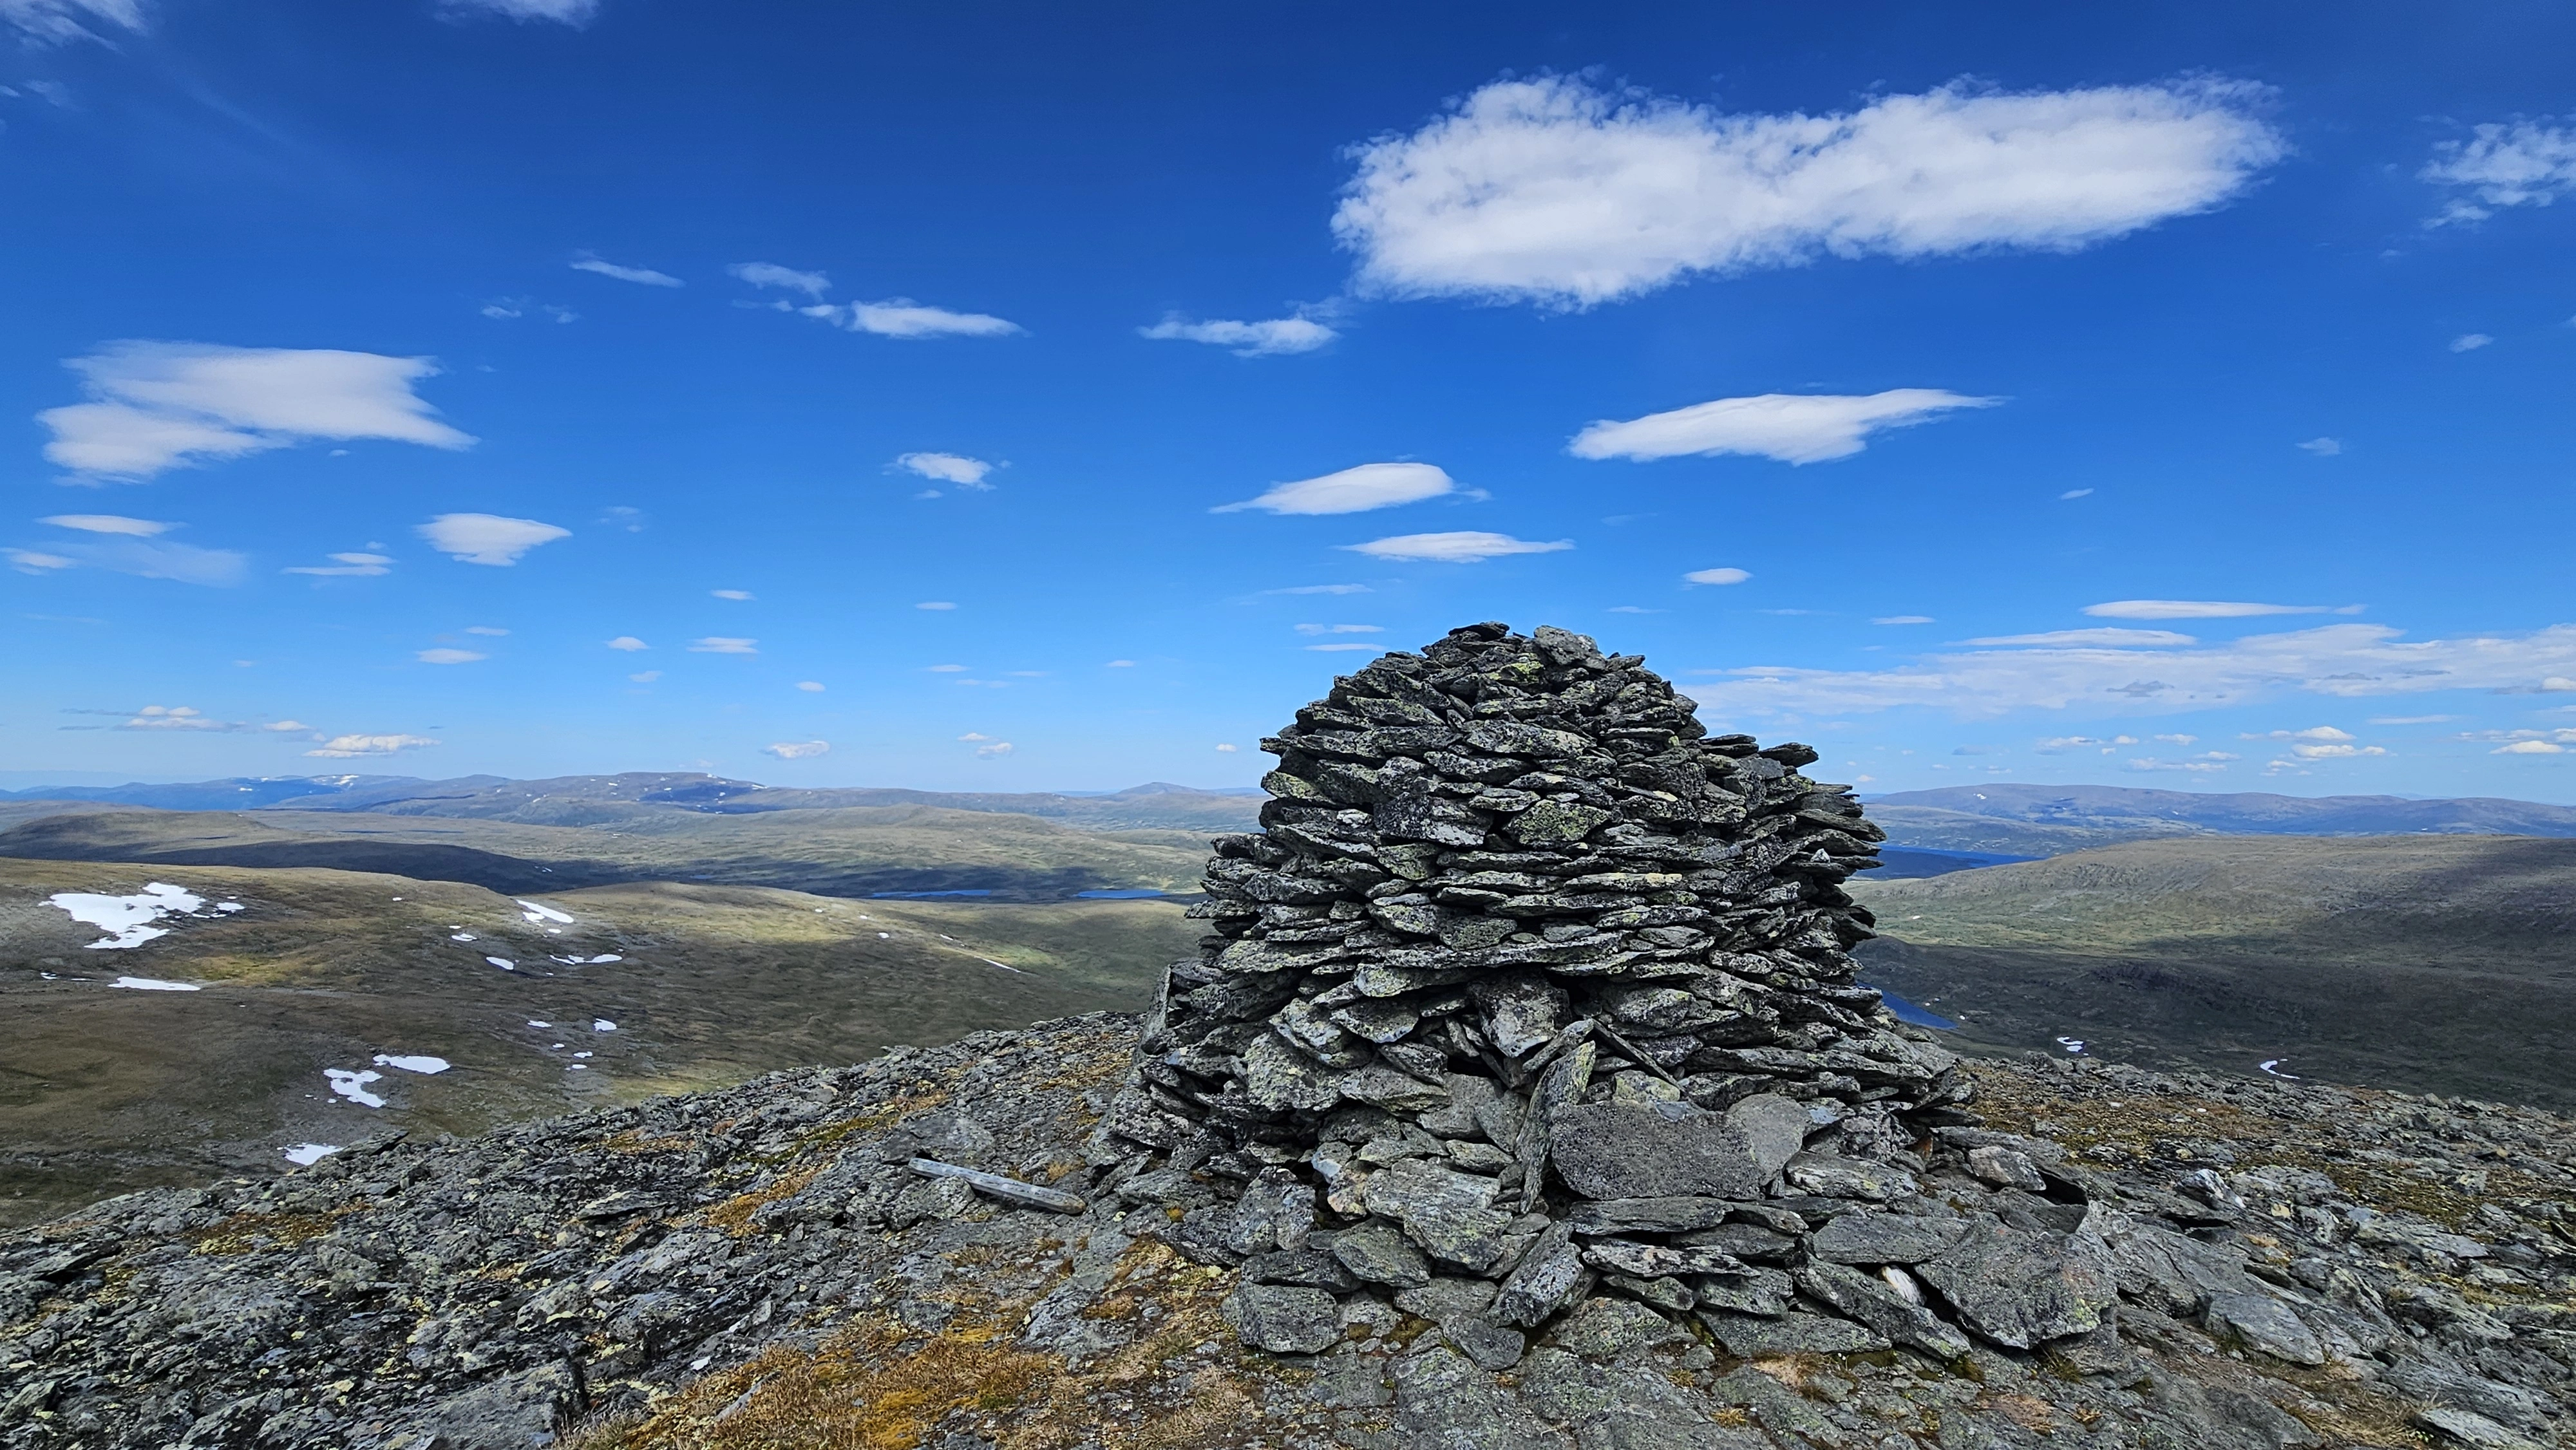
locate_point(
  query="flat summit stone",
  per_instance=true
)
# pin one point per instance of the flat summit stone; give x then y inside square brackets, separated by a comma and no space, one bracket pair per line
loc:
[1652,1150]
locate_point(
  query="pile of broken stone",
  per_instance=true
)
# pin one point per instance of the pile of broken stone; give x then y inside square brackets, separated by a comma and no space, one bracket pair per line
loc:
[1531,989]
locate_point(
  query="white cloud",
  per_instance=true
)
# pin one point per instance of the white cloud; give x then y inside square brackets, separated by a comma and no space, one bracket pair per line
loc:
[2074,493]
[1341,629]
[2313,732]
[108,524]
[1462,547]
[628,642]
[1225,750]
[171,717]
[1791,427]
[352,565]
[1555,191]
[736,595]
[1269,338]
[58,22]
[487,629]
[935,604]
[346,747]
[2341,661]
[2202,767]
[2199,609]
[954,468]
[2061,744]
[575,13]
[770,274]
[645,275]
[717,644]
[902,317]
[2334,752]
[487,538]
[2178,739]
[2323,447]
[2412,719]
[997,748]
[2470,341]
[798,749]
[1716,576]
[447,656]
[1351,491]
[645,677]
[2530,747]
[1324,589]
[179,563]
[974,735]
[1905,619]
[1119,665]
[811,687]
[2522,163]
[2115,638]
[158,405]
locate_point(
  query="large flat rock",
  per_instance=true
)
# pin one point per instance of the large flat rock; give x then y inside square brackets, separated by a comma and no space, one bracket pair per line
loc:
[1653,1150]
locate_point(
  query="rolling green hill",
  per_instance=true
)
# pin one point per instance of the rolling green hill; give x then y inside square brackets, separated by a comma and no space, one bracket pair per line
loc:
[105,1089]
[2437,963]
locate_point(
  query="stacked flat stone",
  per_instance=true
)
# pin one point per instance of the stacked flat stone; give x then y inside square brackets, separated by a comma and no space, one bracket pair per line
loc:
[1529,985]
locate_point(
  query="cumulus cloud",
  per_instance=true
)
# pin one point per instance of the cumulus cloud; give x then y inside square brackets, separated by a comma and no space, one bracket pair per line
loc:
[447,656]
[2518,163]
[717,644]
[1716,576]
[1466,546]
[627,642]
[2313,732]
[770,274]
[59,22]
[108,524]
[358,565]
[346,747]
[798,749]
[1556,191]
[1268,338]
[2530,747]
[997,748]
[159,405]
[2334,752]
[644,275]
[172,717]
[2199,609]
[901,317]
[2338,661]
[488,538]
[1791,427]
[1351,491]
[2323,447]
[2470,341]
[2114,637]
[954,468]
[1225,750]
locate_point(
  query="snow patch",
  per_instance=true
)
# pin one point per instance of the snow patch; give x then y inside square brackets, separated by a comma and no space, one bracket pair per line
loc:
[2273,1066]
[539,911]
[149,984]
[305,1155]
[602,1024]
[504,963]
[1005,966]
[130,918]
[2071,1044]
[353,1085]
[419,1064]
[462,936]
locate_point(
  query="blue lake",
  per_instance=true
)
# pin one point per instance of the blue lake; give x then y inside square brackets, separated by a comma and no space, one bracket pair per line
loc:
[1907,1012]
[1131,893]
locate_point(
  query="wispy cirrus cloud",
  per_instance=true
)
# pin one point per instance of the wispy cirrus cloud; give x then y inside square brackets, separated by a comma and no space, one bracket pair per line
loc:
[798,749]
[351,565]
[718,644]
[160,405]
[1351,491]
[1464,546]
[1716,576]
[123,545]
[60,22]
[1272,337]
[575,13]
[350,747]
[2206,609]
[2503,164]
[1557,191]
[2342,661]
[642,276]
[488,539]
[1794,428]
[447,655]
[897,317]
[770,274]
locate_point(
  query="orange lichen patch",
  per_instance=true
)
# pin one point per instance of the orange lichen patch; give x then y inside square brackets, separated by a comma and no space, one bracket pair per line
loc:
[733,1215]
[922,1099]
[633,1141]
[872,1386]
[2031,1414]
[248,1232]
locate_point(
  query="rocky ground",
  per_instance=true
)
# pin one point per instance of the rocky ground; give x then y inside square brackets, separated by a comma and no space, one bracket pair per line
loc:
[2296,1265]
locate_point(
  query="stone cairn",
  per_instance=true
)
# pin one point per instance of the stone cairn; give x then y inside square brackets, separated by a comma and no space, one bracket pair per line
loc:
[1530,989]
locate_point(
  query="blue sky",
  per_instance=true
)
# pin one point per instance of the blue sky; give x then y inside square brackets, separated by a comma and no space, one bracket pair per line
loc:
[836,396]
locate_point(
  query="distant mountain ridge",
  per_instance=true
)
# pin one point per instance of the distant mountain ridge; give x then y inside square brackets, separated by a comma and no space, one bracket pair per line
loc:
[2080,816]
